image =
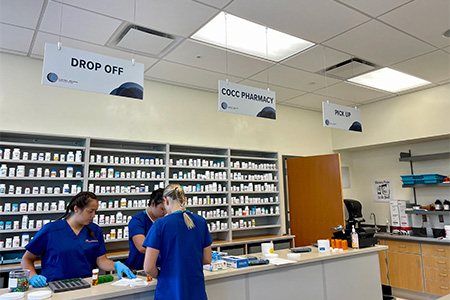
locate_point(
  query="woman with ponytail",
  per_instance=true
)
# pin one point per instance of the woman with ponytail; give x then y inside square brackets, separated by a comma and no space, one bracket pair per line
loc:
[71,246]
[183,243]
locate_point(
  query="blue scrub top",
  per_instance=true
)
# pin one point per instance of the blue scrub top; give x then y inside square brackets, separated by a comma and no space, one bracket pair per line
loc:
[139,224]
[181,254]
[65,255]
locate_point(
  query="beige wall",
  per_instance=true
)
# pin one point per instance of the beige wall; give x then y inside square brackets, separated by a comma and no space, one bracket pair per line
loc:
[171,114]
[383,163]
[413,116]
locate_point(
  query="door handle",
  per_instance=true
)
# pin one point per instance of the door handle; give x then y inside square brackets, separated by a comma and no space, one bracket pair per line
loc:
[440,250]
[444,287]
[441,262]
[443,275]
[401,246]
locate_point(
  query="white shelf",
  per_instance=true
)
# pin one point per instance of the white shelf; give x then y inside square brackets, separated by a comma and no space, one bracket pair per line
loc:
[238,157]
[116,240]
[127,179]
[123,194]
[257,227]
[199,167]
[121,209]
[44,178]
[36,195]
[224,157]
[259,181]
[18,231]
[216,218]
[198,180]
[127,165]
[121,150]
[21,213]
[112,225]
[256,170]
[256,204]
[274,192]
[206,205]
[205,193]
[48,146]
[43,162]
[12,249]
[214,231]
[255,216]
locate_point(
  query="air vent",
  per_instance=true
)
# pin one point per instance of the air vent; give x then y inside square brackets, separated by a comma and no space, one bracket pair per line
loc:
[349,68]
[143,41]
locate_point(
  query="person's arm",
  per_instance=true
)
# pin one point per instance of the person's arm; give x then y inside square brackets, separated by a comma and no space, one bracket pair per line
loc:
[27,262]
[151,255]
[106,264]
[207,255]
[138,240]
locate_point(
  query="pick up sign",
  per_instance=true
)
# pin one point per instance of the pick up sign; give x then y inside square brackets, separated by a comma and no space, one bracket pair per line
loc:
[342,117]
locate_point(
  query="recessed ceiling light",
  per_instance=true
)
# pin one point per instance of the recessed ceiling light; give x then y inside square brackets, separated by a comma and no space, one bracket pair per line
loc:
[240,35]
[389,80]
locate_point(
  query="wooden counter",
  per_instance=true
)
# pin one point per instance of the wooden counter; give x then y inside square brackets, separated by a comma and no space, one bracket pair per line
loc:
[313,276]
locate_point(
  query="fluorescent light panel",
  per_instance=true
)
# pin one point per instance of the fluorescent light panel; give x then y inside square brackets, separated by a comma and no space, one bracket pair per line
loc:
[250,38]
[389,80]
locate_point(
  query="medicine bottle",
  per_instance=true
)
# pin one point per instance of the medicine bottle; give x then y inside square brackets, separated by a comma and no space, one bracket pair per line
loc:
[95,276]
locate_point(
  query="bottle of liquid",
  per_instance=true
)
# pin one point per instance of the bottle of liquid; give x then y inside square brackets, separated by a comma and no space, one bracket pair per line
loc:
[388,226]
[355,239]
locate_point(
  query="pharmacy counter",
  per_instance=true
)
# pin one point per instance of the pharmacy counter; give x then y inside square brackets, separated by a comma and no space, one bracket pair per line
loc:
[410,238]
[351,274]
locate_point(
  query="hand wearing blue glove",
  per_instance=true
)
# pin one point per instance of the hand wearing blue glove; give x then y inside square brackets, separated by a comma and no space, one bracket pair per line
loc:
[121,268]
[38,281]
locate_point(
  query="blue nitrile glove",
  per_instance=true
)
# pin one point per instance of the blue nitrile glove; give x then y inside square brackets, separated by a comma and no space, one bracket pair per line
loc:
[121,268]
[38,281]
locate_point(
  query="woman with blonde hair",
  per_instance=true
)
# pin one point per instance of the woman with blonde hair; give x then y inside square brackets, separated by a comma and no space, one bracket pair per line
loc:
[183,243]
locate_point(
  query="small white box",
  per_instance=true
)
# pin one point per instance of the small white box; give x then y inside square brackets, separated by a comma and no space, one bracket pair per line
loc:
[395,216]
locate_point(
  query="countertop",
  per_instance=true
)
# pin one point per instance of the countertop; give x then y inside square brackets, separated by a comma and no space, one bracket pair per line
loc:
[106,290]
[388,236]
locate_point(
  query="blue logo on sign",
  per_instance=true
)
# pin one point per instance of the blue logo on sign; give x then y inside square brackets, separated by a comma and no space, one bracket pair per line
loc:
[52,77]
[327,122]
[224,105]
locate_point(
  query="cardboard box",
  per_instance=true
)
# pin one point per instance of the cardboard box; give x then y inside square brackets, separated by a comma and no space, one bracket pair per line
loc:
[215,266]
[236,262]
[395,216]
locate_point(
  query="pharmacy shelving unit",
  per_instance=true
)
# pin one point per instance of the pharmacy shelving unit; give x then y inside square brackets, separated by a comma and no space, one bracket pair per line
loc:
[254,194]
[50,158]
[123,174]
[237,191]
[203,173]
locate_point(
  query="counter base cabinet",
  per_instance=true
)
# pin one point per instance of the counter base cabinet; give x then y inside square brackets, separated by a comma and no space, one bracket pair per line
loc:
[383,267]
[405,271]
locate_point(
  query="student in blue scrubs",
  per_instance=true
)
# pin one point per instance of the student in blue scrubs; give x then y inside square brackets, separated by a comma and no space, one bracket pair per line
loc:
[140,225]
[71,247]
[183,243]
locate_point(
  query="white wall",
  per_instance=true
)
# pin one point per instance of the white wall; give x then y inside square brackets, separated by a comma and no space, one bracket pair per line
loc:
[412,116]
[383,163]
[168,114]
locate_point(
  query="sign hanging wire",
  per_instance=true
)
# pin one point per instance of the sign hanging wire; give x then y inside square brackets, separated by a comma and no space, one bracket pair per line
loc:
[60,26]
[267,59]
[325,70]
[226,47]
[134,33]
[353,89]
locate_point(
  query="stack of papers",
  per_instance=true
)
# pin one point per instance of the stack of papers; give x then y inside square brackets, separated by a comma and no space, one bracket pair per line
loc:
[130,282]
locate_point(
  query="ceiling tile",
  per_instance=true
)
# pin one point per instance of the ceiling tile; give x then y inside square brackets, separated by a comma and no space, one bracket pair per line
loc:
[24,13]
[294,78]
[446,49]
[179,17]
[122,9]
[316,58]
[216,3]
[281,93]
[351,92]
[313,101]
[15,38]
[78,24]
[215,59]
[434,66]
[315,21]
[186,76]
[374,8]
[379,44]
[424,19]
[42,38]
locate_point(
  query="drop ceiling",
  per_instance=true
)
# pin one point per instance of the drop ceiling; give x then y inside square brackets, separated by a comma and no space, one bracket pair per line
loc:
[400,34]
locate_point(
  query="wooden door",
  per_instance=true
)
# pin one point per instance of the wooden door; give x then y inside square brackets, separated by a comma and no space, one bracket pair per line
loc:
[315,197]
[405,271]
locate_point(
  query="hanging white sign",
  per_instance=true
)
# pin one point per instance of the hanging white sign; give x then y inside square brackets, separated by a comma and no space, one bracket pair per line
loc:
[382,190]
[342,117]
[246,100]
[87,71]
